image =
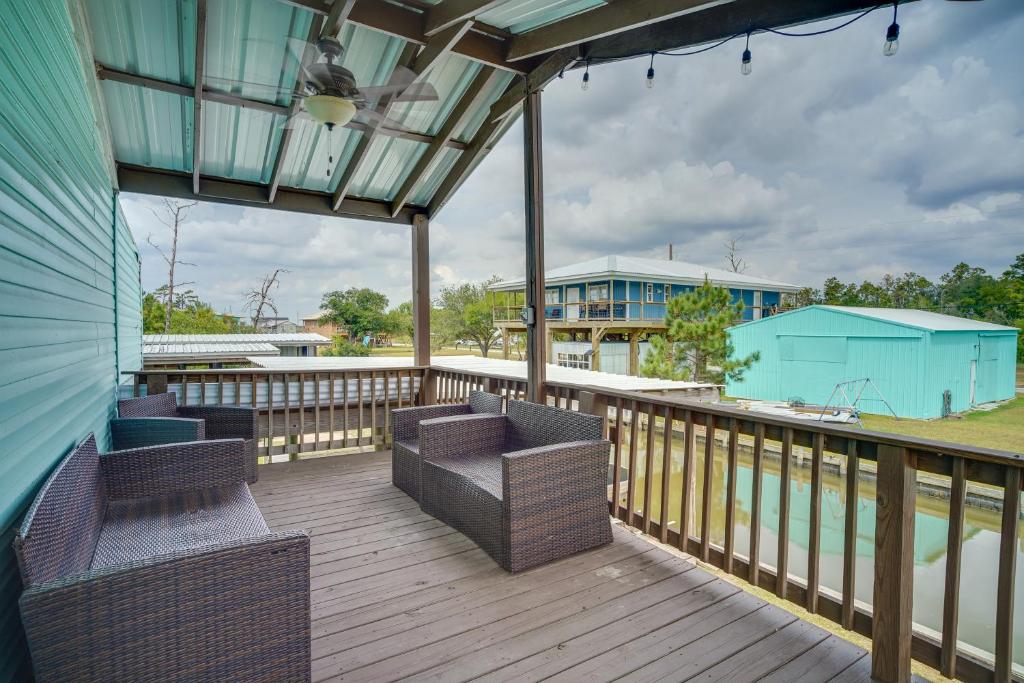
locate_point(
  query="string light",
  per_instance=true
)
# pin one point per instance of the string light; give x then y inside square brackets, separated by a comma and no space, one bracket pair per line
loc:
[745,66]
[892,35]
[650,73]
[586,77]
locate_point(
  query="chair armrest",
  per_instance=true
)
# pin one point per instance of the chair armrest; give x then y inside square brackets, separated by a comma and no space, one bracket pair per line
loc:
[551,477]
[159,470]
[118,623]
[462,436]
[225,422]
[135,432]
[406,421]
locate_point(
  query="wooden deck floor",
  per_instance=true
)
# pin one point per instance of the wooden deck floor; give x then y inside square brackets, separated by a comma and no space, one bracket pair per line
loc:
[399,595]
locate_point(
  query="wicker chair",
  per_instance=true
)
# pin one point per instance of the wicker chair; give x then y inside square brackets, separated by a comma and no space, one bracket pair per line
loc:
[529,487]
[405,449]
[155,564]
[157,419]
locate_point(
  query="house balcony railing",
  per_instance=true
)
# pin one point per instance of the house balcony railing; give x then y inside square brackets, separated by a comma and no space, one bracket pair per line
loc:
[609,311]
[304,412]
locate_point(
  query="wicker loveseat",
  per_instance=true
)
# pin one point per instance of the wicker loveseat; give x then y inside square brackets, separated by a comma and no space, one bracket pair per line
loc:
[405,450]
[529,487]
[157,419]
[155,564]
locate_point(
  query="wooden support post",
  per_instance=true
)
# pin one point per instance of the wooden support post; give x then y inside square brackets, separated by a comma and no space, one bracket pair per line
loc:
[595,349]
[421,290]
[894,565]
[549,345]
[504,343]
[534,177]
[156,384]
[634,353]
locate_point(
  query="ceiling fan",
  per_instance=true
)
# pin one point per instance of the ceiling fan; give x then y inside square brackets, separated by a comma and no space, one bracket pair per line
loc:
[330,96]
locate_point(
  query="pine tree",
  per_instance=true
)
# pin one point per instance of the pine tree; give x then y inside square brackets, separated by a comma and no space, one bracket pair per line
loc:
[696,346]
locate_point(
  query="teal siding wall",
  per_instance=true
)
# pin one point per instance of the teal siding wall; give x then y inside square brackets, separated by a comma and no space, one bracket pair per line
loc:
[62,336]
[805,353]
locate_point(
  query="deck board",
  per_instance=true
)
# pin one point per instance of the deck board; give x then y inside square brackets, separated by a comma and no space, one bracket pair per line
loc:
[398,595]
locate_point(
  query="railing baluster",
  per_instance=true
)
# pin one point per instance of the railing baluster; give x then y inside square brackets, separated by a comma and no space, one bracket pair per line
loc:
[184,389]
[330,409]
[373,408]
[362,407]
[814,544]
[617,474]
[316,411]
[344,393]
[782,564]
[755,504]
[649,467]
[730,495]
[238,389]
[705,505]
[687,497]
[287,417]
[631,482]
[1007,572]
[954,548]
[666,471]
[302,412]
[202,389]
[270,417]
[850,536]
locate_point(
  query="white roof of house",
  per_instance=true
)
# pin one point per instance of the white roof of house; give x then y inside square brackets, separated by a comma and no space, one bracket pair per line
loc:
[269,338]
[650,269]
[476,364]
[926,320]
[152,351]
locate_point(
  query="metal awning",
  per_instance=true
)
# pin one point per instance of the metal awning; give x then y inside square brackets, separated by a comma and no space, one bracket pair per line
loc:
[218,137]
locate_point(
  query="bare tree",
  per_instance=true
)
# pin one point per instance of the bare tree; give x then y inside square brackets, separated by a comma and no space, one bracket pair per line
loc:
[261,297]
[732,254]
[172,215]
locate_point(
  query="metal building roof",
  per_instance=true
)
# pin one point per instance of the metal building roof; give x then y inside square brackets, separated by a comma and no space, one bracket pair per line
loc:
[636,267]
[925,320]
[178,351]
[154,58]
[491,366]
[287,339]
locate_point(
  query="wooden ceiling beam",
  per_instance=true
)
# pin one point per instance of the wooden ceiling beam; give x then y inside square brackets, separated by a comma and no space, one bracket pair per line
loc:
[450,12]
[484,44]
[437,48]
[457,118]
[717,23]
[197,94]
[315,27]
[602,21]
[336,17]
[163,183]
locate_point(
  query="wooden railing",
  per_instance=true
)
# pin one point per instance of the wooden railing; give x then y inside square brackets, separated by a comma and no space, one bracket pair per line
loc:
[802,451]
[351,408]
[311,411]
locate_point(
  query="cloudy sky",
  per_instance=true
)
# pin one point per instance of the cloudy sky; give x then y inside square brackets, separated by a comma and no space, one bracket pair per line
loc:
[830,159]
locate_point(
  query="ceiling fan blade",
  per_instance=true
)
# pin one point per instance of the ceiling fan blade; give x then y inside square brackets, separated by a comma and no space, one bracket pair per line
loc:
[297,119]
[417,92]
[305,55]
[267,87]
[375,119]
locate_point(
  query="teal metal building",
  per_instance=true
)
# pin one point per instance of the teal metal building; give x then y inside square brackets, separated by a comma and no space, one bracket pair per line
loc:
[912,356]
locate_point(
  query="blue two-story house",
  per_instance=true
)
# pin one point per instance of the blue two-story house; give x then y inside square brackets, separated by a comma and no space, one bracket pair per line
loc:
[615,299]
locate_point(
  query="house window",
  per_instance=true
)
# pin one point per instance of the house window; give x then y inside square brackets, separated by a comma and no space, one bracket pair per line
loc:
[599,292]
[650,293]
[551,296]
[573,360]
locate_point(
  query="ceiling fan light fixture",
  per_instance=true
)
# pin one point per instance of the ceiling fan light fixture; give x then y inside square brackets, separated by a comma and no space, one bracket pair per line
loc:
[330,111]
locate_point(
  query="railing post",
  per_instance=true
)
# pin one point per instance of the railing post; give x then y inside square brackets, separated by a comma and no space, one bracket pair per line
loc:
[895,499]
[428,388]
[156,384]
[595,404]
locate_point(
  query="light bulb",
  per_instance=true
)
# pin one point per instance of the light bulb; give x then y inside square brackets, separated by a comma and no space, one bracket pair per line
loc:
[892,40]
[745,66]
[650,77]
[585,85]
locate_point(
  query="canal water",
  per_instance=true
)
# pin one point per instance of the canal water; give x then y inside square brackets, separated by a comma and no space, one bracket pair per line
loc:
[980,545]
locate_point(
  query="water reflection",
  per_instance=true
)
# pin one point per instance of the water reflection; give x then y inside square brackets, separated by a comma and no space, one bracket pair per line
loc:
[980,546]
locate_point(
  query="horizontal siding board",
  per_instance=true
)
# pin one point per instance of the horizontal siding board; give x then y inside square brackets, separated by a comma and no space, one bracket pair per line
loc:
[70,296]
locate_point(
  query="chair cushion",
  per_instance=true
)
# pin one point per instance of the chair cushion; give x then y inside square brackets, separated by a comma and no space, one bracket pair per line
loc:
[483,471]
[147,527]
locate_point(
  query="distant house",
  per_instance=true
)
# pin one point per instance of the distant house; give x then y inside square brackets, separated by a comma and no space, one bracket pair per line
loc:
[217,350]
[311,323]
[277,325]
[912,356]
[613,301]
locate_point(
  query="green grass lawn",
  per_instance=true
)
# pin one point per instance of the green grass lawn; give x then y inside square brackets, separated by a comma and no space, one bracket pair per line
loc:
[1001,428]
